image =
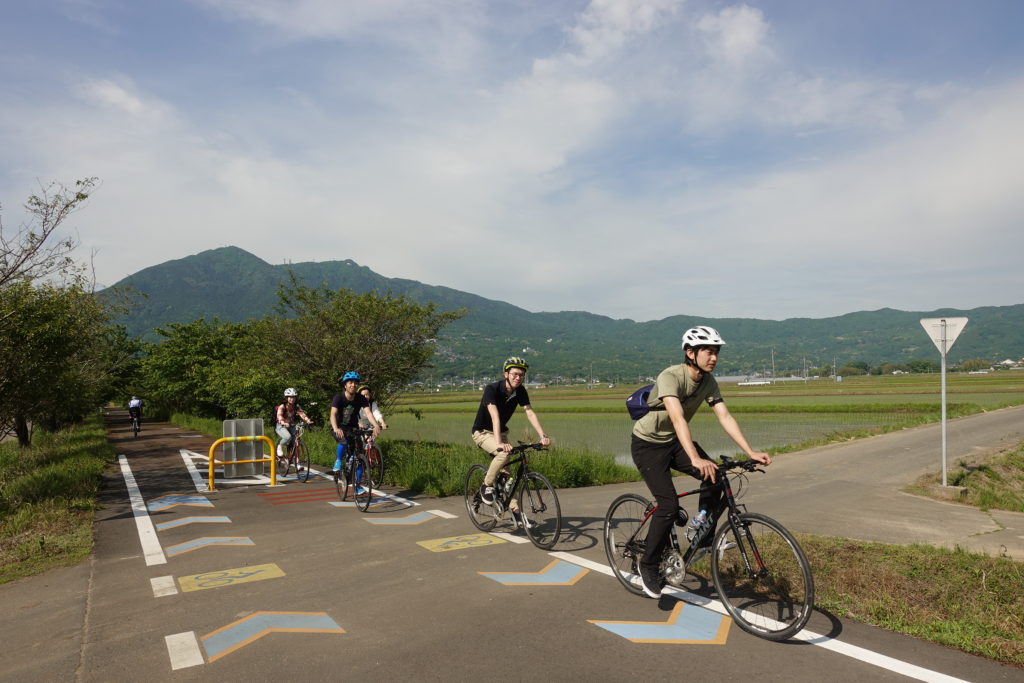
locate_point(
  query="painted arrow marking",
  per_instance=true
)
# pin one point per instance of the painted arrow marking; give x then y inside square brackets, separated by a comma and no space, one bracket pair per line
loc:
[417,518]
[167,502]
[699,627]
[191,520]
[240,633]
[558,573]
[197,543]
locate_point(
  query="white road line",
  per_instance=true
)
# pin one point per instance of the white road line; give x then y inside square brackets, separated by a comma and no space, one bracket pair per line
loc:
[509,537]
[827,642]
[151,548]
[183,649]
[197,478]
[442,514]
[163,585]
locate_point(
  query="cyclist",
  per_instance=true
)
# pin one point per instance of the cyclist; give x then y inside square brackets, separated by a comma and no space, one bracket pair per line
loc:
[284,420]
[490,429]
[363,422]
[662,442]
[135,409]
[345,409]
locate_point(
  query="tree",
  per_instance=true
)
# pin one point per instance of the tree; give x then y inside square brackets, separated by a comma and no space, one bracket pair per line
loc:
[923,366]
[975,364]
[32,253]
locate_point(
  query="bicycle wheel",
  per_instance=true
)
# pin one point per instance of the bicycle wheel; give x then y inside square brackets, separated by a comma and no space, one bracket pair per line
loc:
[543,516]
[285,464]
[625,533]
[302,459]
[341,482]
[375,461]
[483,516]
[772,599]
[362,487]
[135,427]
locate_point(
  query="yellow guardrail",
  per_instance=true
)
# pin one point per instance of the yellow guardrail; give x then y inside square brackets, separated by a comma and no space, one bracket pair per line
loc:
[271,459]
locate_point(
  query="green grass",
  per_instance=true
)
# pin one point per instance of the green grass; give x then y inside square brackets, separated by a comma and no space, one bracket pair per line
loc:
[991,482]
[47,498]
[953,597]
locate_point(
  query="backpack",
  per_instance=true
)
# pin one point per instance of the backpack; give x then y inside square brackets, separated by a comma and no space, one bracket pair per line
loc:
[636,403]
[273,419]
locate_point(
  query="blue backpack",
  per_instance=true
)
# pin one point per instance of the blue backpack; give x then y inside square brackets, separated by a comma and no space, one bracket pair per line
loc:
[636,403]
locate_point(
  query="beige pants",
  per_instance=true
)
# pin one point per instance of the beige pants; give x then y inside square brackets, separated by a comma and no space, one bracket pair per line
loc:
[487,441]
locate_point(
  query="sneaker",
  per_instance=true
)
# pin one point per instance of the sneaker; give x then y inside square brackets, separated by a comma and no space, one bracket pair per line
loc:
[650,581]
[361,490]
[487,494]
[299,468]
[520,520]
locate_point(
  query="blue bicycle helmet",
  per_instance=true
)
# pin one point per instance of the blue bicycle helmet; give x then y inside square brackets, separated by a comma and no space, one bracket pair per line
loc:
[351,375]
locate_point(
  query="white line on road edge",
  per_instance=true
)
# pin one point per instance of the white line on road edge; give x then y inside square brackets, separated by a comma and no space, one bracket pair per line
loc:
[442,514]
[827,642]
[509,537]
[151,548]
[163,585]
[183,649]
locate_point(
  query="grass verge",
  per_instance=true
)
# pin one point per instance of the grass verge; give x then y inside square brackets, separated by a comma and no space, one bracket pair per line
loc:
[956,598]
[991,481]
[47,499]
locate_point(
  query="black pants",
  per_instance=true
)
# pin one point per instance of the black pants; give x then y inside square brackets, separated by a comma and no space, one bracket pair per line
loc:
[656,462]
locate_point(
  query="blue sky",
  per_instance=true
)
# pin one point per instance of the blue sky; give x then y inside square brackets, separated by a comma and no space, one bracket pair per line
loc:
[633,158]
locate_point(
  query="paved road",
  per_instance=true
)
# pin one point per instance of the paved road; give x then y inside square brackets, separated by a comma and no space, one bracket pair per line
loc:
[408,612]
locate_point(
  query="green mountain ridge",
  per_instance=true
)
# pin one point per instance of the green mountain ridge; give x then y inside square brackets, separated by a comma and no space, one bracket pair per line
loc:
[231,284]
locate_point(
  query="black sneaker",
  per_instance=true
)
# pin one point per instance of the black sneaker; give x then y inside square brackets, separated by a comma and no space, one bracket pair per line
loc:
[520,520]
[650,581]
[487,494]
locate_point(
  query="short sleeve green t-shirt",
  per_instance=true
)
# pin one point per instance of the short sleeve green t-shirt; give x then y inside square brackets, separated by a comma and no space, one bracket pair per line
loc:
[675,380]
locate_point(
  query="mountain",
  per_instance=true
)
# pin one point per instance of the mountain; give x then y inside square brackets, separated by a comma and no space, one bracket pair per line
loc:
[231,284]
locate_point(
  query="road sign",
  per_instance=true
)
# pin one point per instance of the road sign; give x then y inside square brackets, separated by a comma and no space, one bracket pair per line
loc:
[943,332]
[940,329]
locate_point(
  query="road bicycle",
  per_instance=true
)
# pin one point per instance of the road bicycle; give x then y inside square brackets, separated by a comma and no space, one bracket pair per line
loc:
[296,459]
[374,458]
[542,516]
[136,425]
[760,572]
[354,474]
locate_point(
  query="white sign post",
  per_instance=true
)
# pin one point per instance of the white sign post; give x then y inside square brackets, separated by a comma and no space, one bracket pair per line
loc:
[943,332]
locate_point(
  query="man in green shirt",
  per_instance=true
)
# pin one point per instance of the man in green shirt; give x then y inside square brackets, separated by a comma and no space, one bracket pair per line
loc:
[662,442]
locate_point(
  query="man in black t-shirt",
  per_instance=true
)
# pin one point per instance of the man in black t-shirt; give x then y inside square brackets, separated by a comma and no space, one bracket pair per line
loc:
[345,409]
[490,429]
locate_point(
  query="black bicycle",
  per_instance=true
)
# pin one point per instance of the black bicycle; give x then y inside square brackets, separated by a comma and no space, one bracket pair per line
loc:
[296,459]
[540,514]
[354,474]
[760,572]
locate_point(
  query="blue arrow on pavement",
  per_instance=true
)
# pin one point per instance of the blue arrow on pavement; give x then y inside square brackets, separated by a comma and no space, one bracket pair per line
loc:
[240,633]
[197,543]
[688,624]
[558,573]
[417,518]
[167,502]
[191,520]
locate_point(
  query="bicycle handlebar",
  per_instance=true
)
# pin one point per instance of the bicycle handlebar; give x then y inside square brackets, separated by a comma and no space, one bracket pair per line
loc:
[728,463]
[524,447]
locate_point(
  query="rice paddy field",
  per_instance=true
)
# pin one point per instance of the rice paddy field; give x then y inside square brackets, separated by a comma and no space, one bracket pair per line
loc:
[774,417]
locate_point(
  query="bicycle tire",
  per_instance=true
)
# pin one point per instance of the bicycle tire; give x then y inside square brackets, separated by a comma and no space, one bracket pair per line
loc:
[284,464]
[375,461]
[776,603]
[538,501]
[135,427]
[362,487]
[302,458]
[483,516]
[625,535]
[341,483]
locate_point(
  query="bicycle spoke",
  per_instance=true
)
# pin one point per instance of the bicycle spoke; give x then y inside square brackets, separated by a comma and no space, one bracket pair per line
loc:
[624,534]
[483,516]
[539,510]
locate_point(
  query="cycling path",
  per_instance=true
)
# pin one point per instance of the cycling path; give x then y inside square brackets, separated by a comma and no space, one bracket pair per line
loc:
[251,583]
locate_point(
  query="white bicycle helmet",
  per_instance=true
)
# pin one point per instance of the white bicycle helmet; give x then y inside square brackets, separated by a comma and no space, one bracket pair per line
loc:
[290,392]
[702,336]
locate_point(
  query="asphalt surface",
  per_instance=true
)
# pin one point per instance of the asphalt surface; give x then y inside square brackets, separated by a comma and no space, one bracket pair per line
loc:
[294,587]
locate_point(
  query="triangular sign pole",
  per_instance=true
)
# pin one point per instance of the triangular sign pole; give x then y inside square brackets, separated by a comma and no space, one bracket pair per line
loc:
[943,332]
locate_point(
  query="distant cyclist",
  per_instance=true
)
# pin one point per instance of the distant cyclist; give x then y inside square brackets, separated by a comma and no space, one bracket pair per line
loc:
[285,417]
[662,442]
[490,429]
[363,422]
[135,409]
[345,409]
